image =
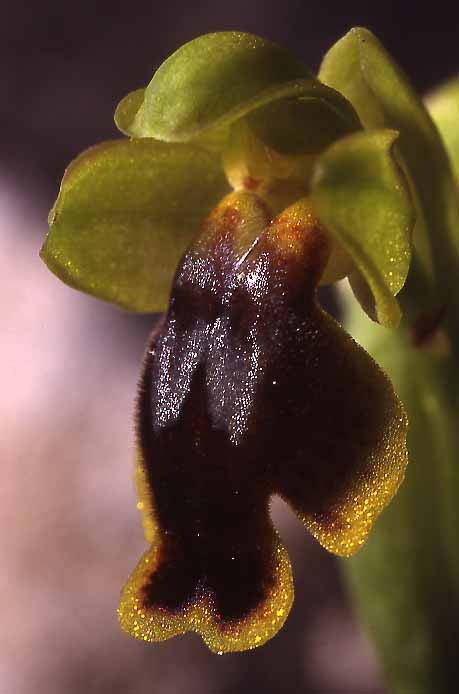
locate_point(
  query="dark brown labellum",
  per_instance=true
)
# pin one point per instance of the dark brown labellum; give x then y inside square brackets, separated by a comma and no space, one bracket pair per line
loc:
[249,389]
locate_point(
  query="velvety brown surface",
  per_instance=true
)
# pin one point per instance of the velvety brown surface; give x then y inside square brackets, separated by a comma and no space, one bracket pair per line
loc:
[249,390]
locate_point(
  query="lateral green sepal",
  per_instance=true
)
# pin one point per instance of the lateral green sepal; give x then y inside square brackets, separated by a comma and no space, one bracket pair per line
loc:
[125,214]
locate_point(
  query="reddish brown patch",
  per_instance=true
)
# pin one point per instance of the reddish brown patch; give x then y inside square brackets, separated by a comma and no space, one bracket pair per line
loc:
[231,218]
[219,228]
[308,239]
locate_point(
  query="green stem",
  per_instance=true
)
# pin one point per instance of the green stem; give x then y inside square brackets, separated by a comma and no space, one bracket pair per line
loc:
[406,580]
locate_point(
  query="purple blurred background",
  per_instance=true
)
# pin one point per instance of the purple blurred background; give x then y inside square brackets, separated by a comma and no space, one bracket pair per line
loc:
[69,530]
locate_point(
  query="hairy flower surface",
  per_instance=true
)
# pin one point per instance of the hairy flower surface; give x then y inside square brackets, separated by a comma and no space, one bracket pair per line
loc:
[249,389]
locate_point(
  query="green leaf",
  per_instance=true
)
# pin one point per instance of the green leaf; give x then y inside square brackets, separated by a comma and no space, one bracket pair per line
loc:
[406,579]
[360,68]
[443,106]
[359,194]
[218,78]
[126,212]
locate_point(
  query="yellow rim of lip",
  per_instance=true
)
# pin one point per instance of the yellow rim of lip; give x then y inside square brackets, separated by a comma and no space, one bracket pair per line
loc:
[201,617]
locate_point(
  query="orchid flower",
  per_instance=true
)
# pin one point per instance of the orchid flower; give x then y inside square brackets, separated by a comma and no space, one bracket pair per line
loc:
[246,182]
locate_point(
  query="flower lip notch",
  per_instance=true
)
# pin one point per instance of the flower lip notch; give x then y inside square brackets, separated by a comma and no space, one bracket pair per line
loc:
[249,389]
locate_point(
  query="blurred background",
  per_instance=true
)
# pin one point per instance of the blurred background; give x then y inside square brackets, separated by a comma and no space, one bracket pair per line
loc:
[69,530]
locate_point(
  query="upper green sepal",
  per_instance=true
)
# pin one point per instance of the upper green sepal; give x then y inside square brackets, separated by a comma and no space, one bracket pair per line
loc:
[125,214]
[215,77]
[218,78]
[361,196]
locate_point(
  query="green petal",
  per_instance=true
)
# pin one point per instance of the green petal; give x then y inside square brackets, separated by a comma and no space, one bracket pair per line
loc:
[443,105]
[218,78]
[125,214]
[359,194]
[126,111]
[360,68]
[305,124]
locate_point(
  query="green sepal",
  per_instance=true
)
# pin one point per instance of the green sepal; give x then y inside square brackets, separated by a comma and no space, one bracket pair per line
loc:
[125,214]
[360,195]
[125,120]
[361,69]
[218,78]
[443,106]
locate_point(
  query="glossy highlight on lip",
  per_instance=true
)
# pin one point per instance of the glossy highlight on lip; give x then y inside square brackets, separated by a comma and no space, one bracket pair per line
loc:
[249,389]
